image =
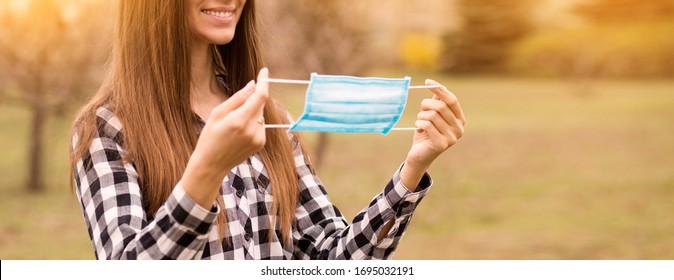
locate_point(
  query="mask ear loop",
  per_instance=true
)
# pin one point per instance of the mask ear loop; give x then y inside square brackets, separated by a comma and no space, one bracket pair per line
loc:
[305,82]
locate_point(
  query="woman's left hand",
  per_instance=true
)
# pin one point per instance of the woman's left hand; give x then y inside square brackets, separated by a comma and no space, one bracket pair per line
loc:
[439,126]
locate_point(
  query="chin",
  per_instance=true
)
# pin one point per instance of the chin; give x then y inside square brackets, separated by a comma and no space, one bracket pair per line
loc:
[222,39]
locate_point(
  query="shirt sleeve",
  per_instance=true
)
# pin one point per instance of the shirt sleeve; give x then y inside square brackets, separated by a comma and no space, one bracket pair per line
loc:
[111,202]
[323,233]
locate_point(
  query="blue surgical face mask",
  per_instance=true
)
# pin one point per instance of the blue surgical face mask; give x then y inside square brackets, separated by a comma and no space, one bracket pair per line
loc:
[353,104]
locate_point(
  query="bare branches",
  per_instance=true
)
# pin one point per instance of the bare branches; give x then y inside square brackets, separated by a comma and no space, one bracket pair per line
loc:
[328,38]
[47,62]
[56,52]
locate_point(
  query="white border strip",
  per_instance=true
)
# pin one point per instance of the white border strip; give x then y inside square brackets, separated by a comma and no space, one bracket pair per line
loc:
[287,81]
[289,125]
[305,82]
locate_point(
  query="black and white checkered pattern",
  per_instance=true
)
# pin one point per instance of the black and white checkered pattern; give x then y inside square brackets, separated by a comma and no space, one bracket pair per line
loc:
[119,227]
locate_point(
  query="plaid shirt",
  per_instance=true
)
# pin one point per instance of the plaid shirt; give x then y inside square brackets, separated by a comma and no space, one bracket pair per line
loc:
[119,227]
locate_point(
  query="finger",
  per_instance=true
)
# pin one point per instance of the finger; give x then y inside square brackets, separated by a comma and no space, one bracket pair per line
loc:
[446,115]
[427,127]
[235,101]
[263,87]
[254,106]
[441,141]
[445,95]
[437,120]
[439,106]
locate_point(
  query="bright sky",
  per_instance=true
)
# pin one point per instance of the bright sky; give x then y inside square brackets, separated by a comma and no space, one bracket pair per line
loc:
[70,8]
[18,6]
[556,13]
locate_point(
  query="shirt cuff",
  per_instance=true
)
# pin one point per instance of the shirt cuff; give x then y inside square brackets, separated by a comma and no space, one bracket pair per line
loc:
[187,213]
[401,199]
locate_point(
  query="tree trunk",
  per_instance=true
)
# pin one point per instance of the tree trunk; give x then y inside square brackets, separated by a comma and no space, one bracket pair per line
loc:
[35,182]
[319,151]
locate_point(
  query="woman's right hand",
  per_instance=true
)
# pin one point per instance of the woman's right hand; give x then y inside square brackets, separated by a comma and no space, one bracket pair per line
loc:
[233,132]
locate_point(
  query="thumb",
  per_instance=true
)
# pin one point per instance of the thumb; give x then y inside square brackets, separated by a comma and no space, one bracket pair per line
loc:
[255,103]
[235,101]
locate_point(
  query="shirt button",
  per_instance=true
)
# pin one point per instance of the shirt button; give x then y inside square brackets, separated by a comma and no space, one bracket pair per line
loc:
[246,236]
[405,204]
[239,193]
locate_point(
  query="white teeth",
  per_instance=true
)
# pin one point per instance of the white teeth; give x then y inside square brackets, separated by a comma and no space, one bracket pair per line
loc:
[218,14]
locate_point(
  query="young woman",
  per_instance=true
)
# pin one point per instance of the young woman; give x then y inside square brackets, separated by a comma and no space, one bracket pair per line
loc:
[171,159]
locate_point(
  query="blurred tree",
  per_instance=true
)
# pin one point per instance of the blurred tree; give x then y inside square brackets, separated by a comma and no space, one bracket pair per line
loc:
[625,11]
[329,37]
[619,38]
[50,57]
[420,50]
[490,28]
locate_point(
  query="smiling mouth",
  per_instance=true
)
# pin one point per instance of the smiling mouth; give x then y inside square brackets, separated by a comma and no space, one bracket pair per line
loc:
[217,14]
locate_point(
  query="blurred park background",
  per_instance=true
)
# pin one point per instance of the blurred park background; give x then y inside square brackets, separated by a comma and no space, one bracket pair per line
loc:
[569,144]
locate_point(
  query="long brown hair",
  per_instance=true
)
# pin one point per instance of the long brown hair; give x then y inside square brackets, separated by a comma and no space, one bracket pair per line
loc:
[148,88]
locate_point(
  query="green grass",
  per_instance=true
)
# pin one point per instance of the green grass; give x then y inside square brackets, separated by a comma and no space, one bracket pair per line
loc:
[543,172]
[48,225]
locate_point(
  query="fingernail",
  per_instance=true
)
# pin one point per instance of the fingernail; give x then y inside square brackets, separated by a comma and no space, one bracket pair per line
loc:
[250,85]
[431,82]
